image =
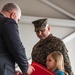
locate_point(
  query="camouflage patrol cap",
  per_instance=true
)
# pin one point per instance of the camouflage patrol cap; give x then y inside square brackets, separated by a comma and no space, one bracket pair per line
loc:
[40,24]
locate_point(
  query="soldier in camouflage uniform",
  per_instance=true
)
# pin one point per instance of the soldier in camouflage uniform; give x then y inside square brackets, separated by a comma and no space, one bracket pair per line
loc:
[47,44]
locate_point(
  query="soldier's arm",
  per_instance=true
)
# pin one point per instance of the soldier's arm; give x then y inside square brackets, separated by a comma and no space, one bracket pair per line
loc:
[67,63]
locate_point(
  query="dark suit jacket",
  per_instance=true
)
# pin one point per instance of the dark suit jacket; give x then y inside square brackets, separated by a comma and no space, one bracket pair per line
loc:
[11,48]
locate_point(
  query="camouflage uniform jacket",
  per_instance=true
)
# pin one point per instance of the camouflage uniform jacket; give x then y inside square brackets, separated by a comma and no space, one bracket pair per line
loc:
[50,44]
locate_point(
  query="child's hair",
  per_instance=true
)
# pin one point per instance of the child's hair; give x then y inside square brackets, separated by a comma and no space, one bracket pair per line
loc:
[58,57]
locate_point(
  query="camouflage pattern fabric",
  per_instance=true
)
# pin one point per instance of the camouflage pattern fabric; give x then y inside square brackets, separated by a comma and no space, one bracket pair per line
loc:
[40,24]
[50,44]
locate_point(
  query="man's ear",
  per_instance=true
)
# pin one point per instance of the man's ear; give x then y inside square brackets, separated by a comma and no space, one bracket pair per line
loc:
[12,15]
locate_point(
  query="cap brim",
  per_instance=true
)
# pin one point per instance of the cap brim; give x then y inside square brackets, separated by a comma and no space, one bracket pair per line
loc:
[39,29]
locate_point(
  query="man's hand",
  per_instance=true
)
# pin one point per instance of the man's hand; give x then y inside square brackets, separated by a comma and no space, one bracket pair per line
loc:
[18,73]
[30,69]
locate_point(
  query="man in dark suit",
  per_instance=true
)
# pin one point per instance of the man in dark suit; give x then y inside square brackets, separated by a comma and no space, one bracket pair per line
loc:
[11,48]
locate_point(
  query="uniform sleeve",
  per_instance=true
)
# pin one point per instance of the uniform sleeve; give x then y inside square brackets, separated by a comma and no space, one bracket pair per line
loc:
[14,45]
[67,62]
[62,48]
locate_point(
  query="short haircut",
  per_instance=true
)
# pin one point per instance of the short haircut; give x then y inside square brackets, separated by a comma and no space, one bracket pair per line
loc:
[10,7]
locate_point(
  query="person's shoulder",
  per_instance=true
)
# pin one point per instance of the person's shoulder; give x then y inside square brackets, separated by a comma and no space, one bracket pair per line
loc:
[10,23]
[54,38]
[10,20]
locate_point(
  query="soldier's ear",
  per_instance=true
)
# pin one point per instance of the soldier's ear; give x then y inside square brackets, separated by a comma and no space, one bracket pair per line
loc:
[48,28]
